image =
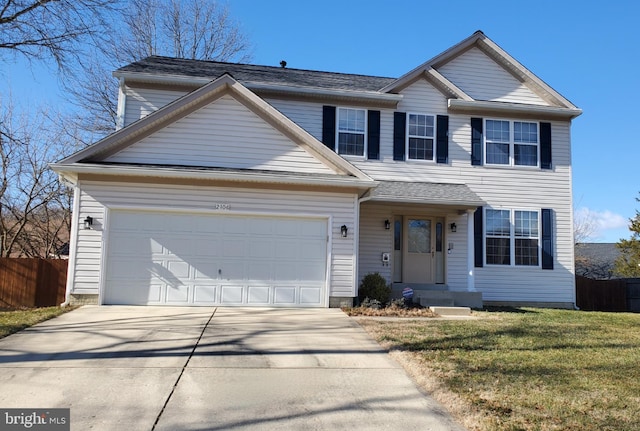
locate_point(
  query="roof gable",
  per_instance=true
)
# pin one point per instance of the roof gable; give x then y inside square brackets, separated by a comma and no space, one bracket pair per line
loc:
[509,65]
[482,78]
[227,88]
[223,134]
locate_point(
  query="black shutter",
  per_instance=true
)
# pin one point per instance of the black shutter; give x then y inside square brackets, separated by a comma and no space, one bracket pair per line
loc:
[545,145]
[399,130]
[329,126]
[373,135]
[547,238]
[478,238]
[442,139]
[476,141]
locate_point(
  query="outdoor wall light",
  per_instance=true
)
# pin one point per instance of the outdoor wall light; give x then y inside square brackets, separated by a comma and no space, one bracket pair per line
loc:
[387,224]
[343,230]
[88,222]
[453,227]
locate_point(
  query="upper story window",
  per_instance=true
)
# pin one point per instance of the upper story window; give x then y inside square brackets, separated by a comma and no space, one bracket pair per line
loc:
[512,237]
[420,136]
[352,126]
[511,143]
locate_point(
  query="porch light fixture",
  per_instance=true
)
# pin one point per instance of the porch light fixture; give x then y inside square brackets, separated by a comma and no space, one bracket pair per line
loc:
[453,227]
[88,222]
[343,230]
[387,224]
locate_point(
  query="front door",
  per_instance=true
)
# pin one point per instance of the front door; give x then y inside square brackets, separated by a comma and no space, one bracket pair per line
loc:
[418,251]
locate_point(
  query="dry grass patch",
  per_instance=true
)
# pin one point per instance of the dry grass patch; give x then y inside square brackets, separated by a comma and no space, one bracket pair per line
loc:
[528,369]
[391,311]
[16,320]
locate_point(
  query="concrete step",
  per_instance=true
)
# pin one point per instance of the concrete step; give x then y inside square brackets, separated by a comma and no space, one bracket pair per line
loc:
[451,311]
[440,302]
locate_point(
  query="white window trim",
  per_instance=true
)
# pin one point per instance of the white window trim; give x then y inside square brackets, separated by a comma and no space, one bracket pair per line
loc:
[512,237]
[512,144]
[365,133]
[407,136]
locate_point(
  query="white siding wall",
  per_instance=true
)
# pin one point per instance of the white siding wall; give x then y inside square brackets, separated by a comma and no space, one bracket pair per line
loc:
[141,102]
[481,78]
[222,134]
[95,197]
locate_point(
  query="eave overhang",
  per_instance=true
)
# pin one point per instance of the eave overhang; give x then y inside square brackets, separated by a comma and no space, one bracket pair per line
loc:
[481,107]
[72,171]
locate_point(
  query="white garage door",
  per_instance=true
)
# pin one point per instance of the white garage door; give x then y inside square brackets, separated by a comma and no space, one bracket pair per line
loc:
[194,259]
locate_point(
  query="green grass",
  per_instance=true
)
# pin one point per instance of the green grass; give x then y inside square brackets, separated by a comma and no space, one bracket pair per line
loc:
[532,369]
[16,320]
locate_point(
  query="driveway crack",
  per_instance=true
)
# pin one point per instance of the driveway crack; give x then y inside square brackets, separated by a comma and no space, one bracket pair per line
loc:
[184,367]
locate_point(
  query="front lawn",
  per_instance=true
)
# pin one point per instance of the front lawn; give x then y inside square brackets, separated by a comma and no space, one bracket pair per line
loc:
[16,320]
[526,369]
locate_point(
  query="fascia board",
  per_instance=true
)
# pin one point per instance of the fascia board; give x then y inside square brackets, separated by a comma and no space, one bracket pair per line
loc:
[504,108]
[72,170]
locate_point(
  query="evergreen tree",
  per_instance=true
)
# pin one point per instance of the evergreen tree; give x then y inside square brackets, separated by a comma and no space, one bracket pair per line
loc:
[628,264]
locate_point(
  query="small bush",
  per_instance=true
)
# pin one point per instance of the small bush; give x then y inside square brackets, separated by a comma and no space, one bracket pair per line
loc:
[375,288]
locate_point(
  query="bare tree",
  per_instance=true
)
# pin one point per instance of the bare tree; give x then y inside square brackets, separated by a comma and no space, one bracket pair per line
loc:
[34,205]
[192,29]
[584,225]
[42,29]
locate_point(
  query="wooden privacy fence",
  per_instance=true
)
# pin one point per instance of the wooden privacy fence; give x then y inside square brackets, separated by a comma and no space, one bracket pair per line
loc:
[608,295]
[32,282]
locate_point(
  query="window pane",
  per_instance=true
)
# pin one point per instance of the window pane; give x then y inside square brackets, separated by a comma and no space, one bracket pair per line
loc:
[527,252]
[351,144]
[421,149]
[351,120]
[525,155]
[419,236]
[497,131]
[421,125]
[498,251]
[397,235]
[525,132]
[498,154]
[526,224]
[498,223]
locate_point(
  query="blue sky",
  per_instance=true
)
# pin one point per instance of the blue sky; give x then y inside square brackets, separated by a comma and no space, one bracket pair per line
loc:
[587,50]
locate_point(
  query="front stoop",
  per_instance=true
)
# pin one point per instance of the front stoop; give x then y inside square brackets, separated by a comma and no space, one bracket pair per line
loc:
[451,311]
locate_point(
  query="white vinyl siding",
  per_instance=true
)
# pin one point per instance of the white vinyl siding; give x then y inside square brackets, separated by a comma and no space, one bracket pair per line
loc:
[483,79]
[96,197]
[511,187]
[141,102]
[222,134]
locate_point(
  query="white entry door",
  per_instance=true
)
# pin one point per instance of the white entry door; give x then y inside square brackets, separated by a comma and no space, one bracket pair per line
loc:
[418,251]
[199,259]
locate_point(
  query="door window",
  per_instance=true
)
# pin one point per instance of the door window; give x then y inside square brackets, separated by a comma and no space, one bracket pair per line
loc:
[419,236]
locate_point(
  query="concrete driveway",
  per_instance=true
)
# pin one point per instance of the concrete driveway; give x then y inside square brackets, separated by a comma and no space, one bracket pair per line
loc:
[166,368]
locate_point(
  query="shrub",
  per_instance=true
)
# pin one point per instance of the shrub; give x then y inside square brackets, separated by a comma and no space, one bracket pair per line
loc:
[374,287]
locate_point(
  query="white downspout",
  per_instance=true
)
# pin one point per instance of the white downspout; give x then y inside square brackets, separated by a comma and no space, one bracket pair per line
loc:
[73,245]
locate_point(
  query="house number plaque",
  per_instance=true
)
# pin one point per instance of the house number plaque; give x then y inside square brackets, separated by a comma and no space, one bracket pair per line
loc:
[224,207]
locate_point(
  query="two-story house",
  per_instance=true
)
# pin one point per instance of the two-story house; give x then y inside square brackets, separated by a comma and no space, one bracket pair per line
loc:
[236,184]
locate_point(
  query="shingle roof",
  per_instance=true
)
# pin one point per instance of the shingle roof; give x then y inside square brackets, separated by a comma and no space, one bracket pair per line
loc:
[433,193]
[245,73]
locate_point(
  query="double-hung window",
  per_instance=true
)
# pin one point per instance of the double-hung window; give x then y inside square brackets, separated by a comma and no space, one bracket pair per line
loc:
[511,143]
[420,136]
[352,125]
[512,237]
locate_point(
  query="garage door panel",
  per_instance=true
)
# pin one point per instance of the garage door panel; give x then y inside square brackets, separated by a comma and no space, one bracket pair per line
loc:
[284,295]
[178,294]
[205,294]
[310,295]
[232,294]
[258,295]
[200,259]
